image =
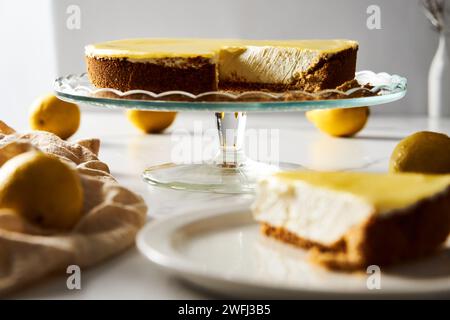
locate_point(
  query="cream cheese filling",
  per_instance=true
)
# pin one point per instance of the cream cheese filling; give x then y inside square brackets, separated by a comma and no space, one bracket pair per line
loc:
[265,64]
[312,213]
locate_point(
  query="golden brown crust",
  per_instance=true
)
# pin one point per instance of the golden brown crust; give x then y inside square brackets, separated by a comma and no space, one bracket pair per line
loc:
[123,75]
[331,71]
[382,240]
[291,238]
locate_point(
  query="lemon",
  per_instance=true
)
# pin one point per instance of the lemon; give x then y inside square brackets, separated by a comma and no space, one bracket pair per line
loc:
[48,113]
[423,152]
[151,121]
[42,189]
[341,122]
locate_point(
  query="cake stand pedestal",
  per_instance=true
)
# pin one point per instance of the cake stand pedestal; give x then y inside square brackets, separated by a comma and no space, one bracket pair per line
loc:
[230,171]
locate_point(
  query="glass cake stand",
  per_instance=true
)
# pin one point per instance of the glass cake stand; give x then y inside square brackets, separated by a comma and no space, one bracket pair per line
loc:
[230,171]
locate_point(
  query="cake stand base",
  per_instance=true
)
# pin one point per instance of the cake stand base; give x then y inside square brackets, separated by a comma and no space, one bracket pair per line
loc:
[212,177]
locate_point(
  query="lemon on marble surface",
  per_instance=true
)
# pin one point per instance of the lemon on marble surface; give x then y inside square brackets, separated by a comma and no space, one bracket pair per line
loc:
[42,189]
[341,122]
[48,113]
[151,121]
[423,152]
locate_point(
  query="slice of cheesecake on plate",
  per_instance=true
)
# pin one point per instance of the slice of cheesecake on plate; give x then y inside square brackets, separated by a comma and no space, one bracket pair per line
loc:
[351,220]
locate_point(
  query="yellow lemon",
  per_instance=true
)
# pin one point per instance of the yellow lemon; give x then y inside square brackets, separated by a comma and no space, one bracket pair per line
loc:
[151,121]
[423,152]
[48,113]
[42,189]
[341,122]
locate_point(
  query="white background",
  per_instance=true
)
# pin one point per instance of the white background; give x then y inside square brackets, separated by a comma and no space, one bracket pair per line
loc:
[37,45]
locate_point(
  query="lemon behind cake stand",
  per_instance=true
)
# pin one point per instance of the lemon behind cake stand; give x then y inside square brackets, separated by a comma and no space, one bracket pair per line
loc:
[230,171]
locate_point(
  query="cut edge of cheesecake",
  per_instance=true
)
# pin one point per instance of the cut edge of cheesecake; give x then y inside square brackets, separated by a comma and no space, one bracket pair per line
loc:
[200,65]
[376,237]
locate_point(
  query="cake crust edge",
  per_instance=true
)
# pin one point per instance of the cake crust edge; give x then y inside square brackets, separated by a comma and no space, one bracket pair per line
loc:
[124,75]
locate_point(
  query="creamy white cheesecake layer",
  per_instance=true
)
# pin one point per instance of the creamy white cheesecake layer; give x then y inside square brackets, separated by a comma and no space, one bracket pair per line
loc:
[254,64]
[312,213]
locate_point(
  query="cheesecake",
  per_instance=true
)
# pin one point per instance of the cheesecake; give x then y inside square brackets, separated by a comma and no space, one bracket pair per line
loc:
[202,65]
[351,220]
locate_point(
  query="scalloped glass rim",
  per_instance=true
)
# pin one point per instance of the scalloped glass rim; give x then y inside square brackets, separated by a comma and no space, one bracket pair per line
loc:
[78,89]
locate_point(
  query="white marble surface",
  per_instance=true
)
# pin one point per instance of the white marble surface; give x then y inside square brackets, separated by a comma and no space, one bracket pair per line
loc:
[130,276]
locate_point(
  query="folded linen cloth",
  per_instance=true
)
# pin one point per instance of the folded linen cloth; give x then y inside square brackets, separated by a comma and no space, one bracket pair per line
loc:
[112,215]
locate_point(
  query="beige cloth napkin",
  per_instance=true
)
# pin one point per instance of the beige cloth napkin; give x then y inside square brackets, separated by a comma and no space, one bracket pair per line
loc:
[112,215]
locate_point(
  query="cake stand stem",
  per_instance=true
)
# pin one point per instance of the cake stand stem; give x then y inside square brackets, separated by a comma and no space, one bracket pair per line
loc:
[230,171]
[231,130]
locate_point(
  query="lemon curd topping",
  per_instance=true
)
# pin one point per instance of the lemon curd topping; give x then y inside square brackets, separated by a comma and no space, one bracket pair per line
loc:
[162,48]
[384,191]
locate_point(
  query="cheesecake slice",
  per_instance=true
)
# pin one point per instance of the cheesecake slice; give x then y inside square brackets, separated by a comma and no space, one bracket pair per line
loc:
[352,220]
[201,65]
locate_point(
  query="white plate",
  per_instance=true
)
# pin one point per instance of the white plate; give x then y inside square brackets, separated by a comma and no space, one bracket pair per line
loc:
[222,250]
